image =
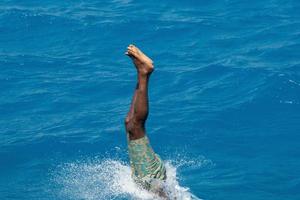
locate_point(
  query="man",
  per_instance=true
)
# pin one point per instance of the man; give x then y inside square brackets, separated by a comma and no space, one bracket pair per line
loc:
[148,170]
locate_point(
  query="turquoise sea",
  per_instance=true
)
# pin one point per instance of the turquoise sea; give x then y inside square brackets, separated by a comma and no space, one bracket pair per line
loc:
[224,97]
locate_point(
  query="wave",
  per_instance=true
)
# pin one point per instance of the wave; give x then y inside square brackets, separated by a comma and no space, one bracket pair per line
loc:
[110,179]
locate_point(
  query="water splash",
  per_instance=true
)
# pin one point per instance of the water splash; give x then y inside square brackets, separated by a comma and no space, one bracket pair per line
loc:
[110,179]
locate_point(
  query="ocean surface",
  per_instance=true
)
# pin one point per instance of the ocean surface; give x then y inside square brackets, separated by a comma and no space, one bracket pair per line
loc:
[224,97]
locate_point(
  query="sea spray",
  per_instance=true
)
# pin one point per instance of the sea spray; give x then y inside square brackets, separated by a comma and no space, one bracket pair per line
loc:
[110,179]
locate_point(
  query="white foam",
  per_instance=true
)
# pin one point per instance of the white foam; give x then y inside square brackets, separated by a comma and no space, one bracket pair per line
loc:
[110,179]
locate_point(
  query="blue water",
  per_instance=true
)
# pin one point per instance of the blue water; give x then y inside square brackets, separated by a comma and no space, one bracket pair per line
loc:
[224,98]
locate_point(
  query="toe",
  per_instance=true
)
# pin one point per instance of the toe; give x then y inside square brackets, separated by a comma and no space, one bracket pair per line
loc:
[134,49]
[132,52]
[130,46]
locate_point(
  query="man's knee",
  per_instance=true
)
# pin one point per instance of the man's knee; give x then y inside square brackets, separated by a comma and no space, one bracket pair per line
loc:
[127,120]
[132,125]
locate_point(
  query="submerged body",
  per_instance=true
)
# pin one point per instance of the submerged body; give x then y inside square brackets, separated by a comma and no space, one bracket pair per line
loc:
[148,170]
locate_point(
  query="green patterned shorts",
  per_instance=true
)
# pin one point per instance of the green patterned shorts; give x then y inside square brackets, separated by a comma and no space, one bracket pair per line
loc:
[147,167]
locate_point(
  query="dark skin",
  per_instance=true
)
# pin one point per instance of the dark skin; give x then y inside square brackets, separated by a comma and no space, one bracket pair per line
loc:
[139,108]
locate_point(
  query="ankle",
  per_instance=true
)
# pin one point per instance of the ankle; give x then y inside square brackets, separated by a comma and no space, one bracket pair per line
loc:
[143,75]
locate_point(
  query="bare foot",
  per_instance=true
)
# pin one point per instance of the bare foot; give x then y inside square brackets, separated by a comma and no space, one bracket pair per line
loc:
[143,63]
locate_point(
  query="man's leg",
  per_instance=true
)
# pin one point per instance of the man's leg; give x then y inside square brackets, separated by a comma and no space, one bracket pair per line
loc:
[137,116]
[130,113]
[145,164]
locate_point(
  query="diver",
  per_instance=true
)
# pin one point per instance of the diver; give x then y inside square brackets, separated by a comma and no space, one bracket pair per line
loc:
[148,170]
